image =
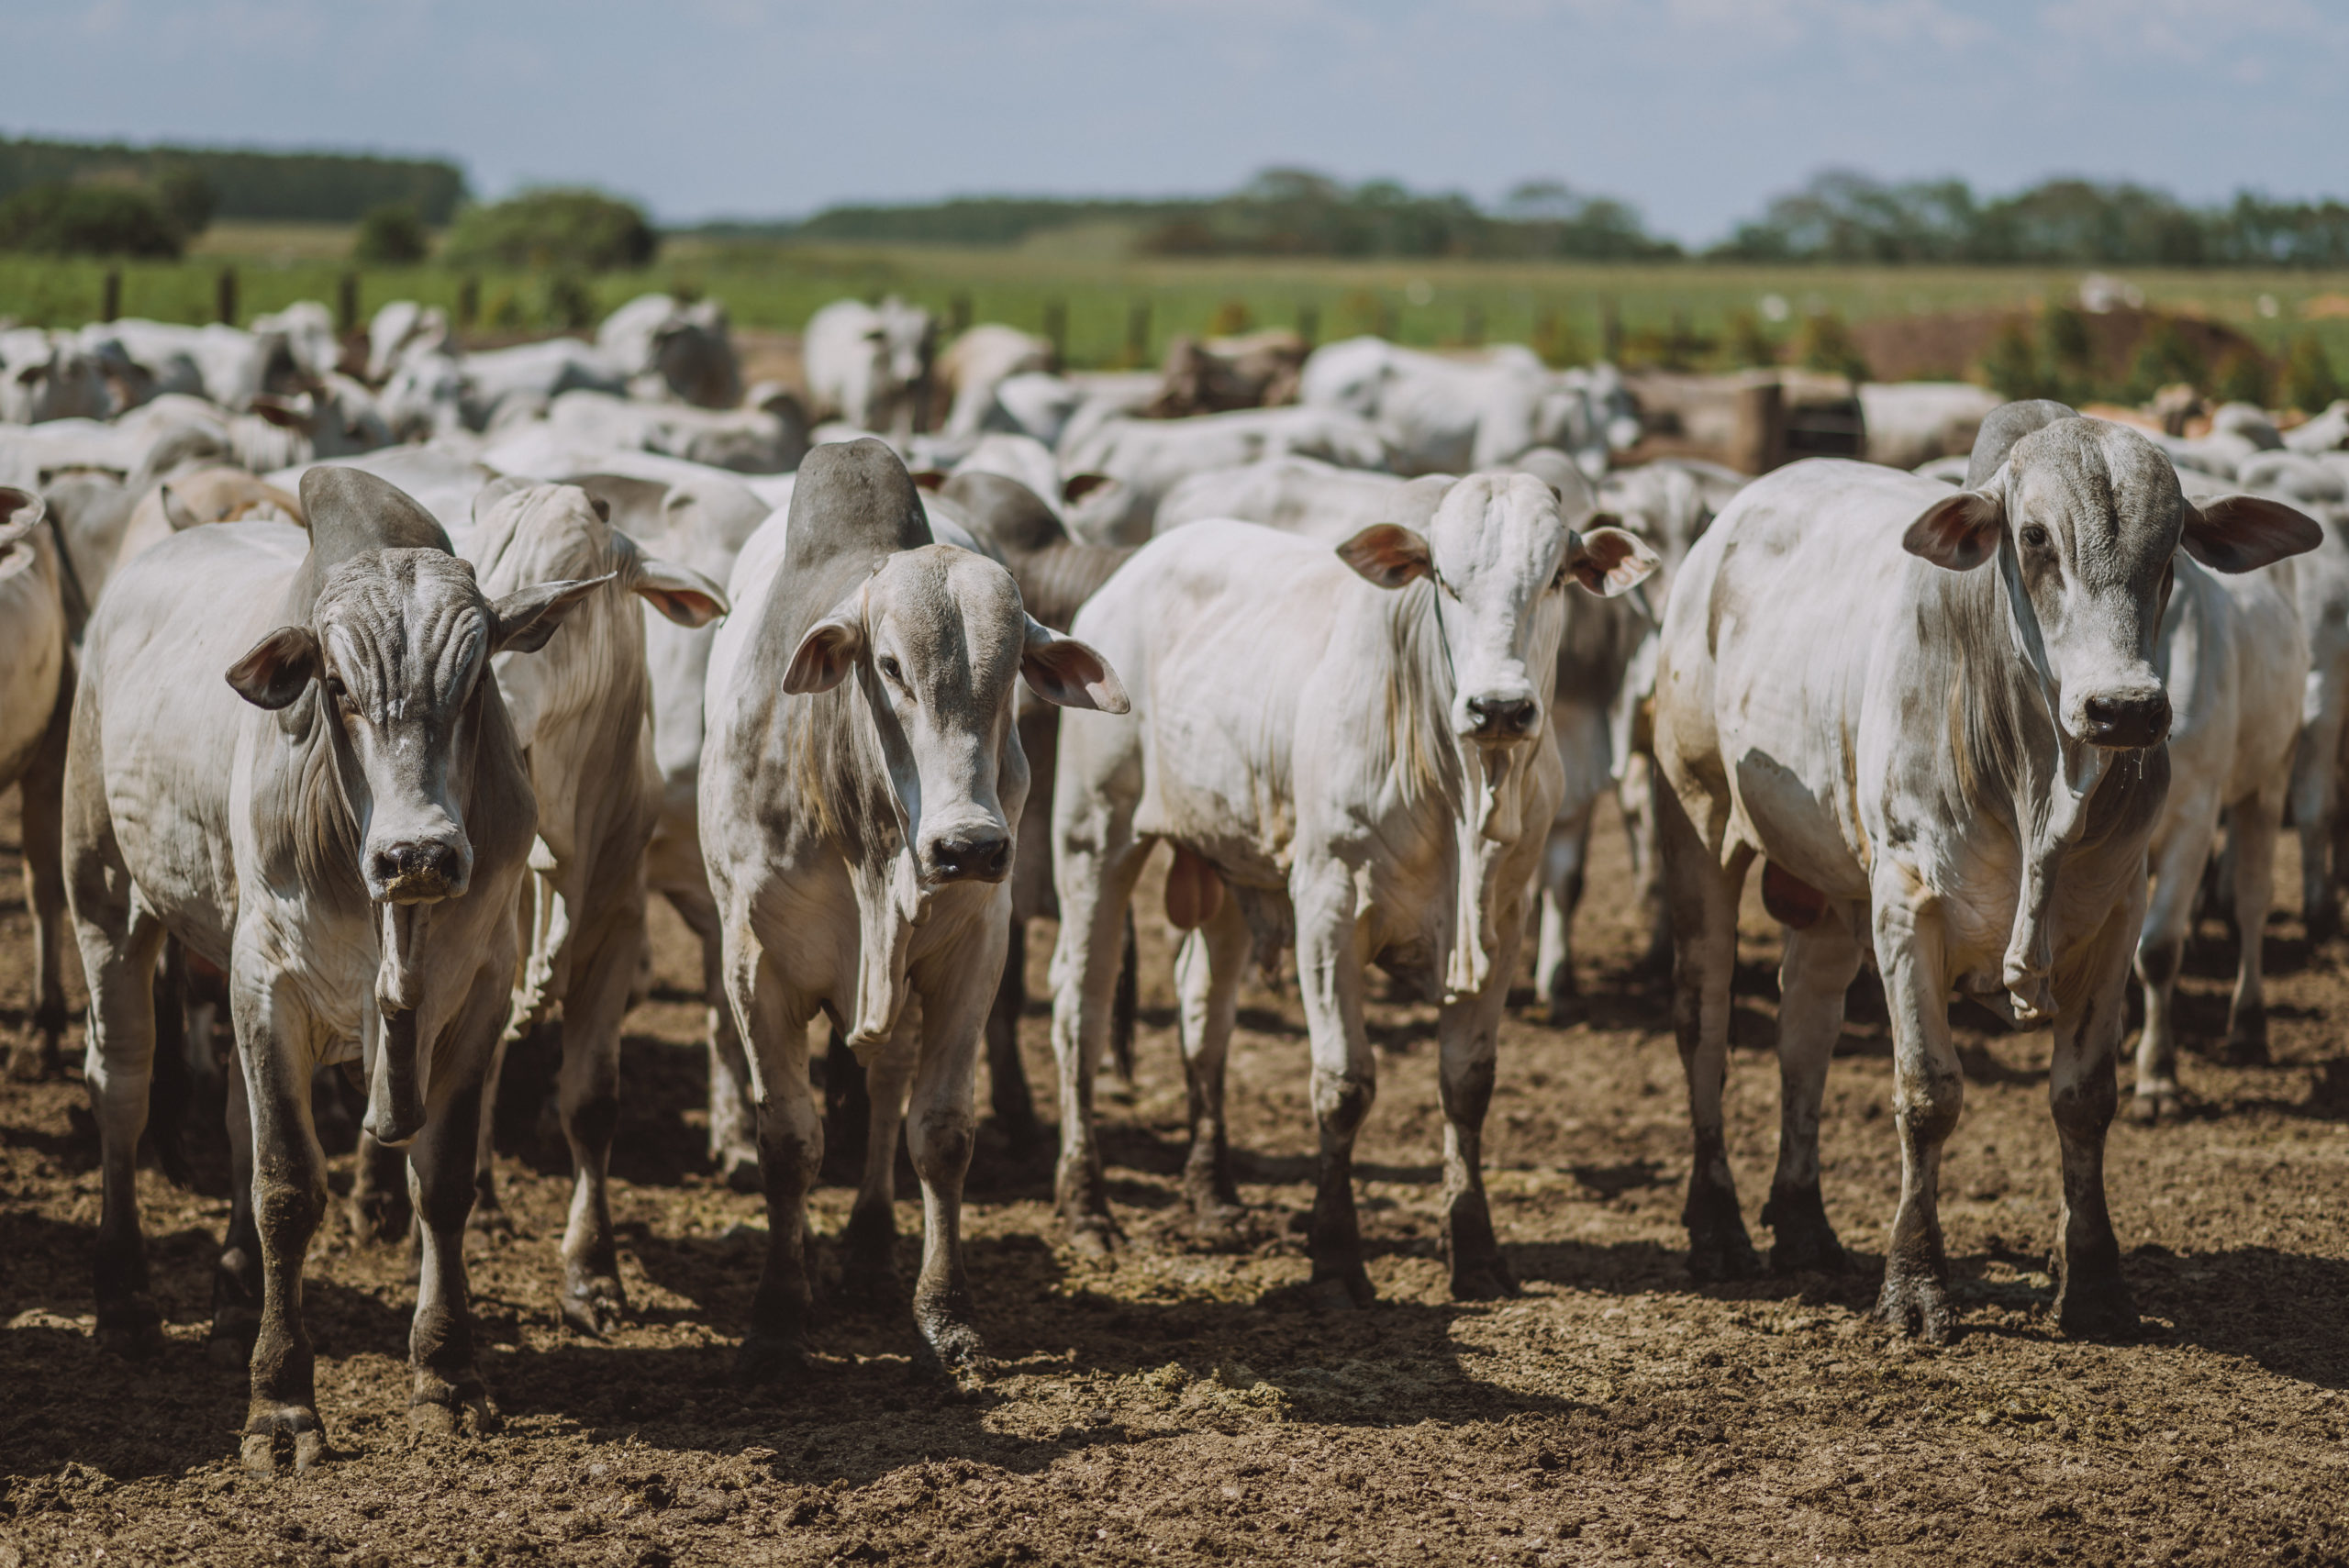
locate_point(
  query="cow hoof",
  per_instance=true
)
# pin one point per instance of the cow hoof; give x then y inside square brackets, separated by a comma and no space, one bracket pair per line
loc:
[378,1216]
[429,1420]
[2248,1045]
[1802,1241]
[1917,1305]
[1348,1290]
[1094,1235]
[952,1338]
[739,1168]
[2150,1107]
[1487,1279]
[768,1358]
[132,1329]
[1565,1012]
[292,1432]
[1219,1226]
[595,1306]
[1720,1257]
[2099,1309]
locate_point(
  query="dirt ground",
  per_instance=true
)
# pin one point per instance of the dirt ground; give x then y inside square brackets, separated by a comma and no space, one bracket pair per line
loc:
[1174,1407]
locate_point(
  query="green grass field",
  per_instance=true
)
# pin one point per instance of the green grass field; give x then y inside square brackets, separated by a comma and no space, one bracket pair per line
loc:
[1113,309]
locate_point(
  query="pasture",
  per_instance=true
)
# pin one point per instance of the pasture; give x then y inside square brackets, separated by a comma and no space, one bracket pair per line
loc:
[1180,1407]
[1111,309]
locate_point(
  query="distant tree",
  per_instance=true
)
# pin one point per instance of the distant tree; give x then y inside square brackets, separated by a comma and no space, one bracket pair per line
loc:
[88,220]
[391,235]
[1825,344]
[187,199]
[579,230]
[2013,367]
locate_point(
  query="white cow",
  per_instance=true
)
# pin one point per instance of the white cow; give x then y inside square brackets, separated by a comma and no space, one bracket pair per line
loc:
[1912,422]
[1149,457]
[51,375]
[1354,745]
[976,364]
[669,349]
[400,329]
[1444,414]
[1957,768]
[859,786]
[869,365]
[36,699]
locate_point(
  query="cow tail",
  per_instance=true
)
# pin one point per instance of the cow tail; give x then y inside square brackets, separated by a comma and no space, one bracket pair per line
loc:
[170,1086]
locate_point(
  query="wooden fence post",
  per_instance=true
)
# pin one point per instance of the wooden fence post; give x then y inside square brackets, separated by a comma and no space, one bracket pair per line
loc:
[1309,323]
[1610,332]
[110,295]
[958,313]
[1138,333]
[469,300]
[1056,328]
[224,296]
[347,304]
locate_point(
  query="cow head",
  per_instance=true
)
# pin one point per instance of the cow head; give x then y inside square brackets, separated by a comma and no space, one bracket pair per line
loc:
[398,640]
[937,637]
[2084,518]
[527,533]
[1499,554]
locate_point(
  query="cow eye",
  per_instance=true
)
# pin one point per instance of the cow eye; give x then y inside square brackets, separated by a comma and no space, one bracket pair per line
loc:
[889,668]
[2034,535]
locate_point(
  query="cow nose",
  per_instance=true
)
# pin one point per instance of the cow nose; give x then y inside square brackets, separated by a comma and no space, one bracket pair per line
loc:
[412,872]
[2126,723]
[1501,716]
[973,857]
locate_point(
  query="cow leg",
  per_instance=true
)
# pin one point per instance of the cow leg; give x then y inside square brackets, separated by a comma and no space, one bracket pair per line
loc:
[1563,858]
[939,1130]
[237,1277]
[2316,770]
[1467,1033]
[1096,873]
[1125,1009]
[1008,1097]
[487,1213]
[448,1387]
[1702,897]
[2176,864]
[733,1124]
[2253,840]
[1345,1074]
[790,1150]
[1928,1093]
[40,800]
[378,1209]
[588,1091]
[120,947]
[1818,967]
[1637,798]
[289,1196]
[1206,978]
[2091,1297]
[868,1247]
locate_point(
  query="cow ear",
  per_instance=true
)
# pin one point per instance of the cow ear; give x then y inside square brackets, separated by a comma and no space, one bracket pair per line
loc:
[829,651]
[1957,532]
[1069,673]
[1077,486]
[177,512]
[682,593]
[928,478]
[523,620]
[1609,561]
[2236,533]
[278,669]
[290,413]
[1389,554]
[20,512]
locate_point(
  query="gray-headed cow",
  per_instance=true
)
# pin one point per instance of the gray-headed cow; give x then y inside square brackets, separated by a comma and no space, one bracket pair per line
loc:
[859,786]
[340,827]
[1956,767]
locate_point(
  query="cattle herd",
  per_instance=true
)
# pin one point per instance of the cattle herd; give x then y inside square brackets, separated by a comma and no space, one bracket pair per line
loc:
[361,694]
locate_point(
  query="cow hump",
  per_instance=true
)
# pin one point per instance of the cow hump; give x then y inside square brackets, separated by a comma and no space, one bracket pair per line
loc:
[855,505]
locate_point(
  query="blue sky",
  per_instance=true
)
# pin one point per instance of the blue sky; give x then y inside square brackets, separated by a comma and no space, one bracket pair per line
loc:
[1695,110]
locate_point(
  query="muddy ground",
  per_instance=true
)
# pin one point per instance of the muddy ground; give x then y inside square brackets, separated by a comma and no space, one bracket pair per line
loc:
[1174,1407]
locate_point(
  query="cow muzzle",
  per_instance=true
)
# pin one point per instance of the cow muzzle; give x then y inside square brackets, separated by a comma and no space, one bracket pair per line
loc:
[1501,718]
[968,854]
[2125,722]
[417,871]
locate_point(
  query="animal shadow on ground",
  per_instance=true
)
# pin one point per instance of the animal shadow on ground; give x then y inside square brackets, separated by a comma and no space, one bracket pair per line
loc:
[68,1398]
[1392,1365]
